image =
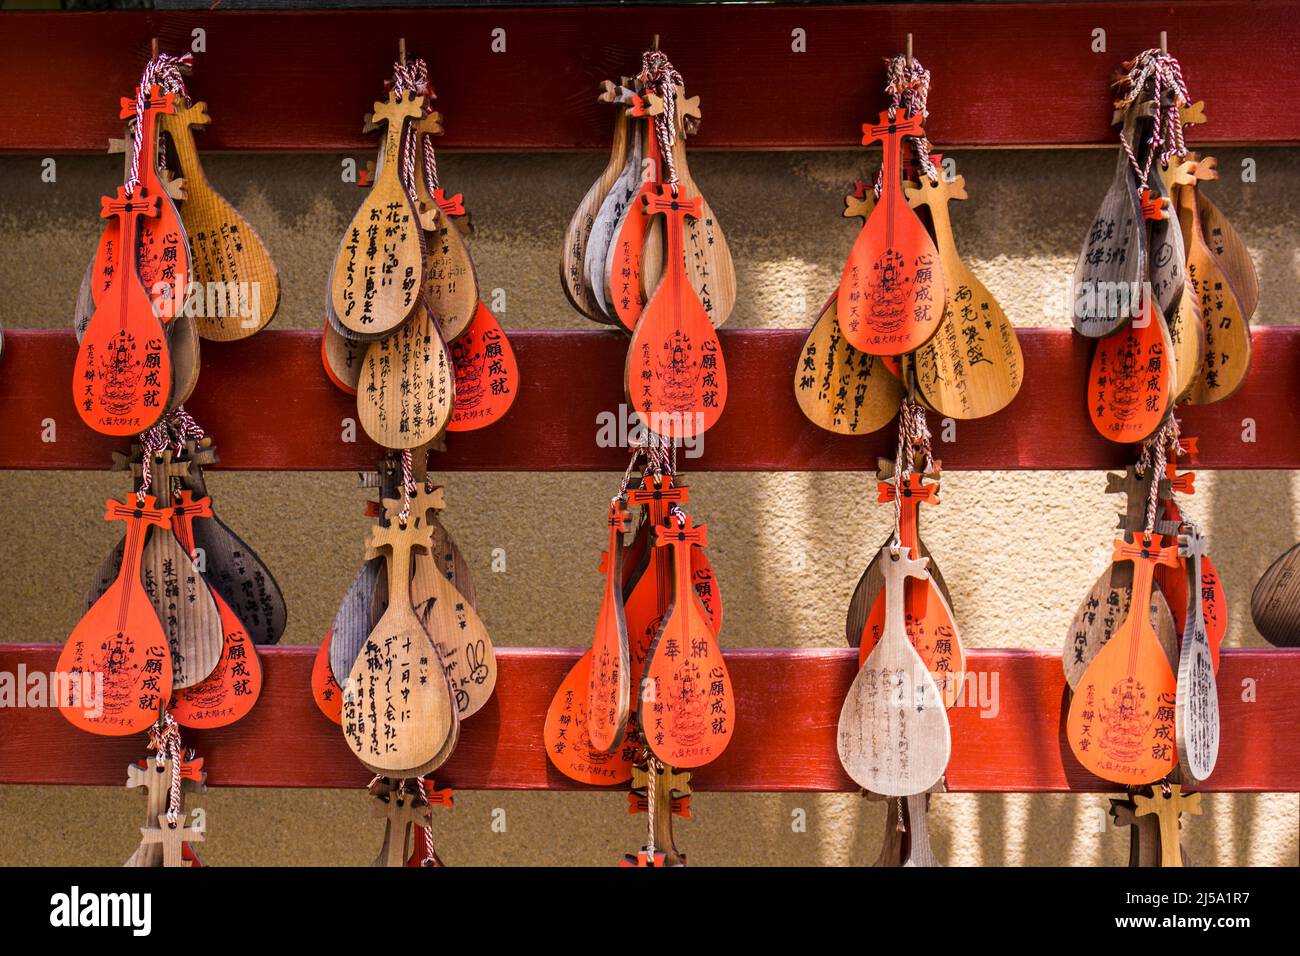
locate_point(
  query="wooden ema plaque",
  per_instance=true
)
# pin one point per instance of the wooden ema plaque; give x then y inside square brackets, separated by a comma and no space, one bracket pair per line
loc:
[892,293]
[378,271]
[1121,720]
[462,643]
[1174,581]
[1167,808]
[1130,385]
[972,367]
[405,393]
[609,689]
[872,581]
[123,373]
[635,260]
[120,641]
[1186,324]
[223,247]
[1196,709]
[839,388]
[928,618]
[1112,266]
[486,374]
[1227,331]
[232,688]
[611,211]
[687,711]
[676,378]
[893,736]
[397,713]
[162,250]
[580,227]
[450,288]
[325,690]
[154,776]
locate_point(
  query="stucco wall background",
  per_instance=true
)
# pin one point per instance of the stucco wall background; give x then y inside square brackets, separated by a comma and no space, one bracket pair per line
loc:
[1018,549]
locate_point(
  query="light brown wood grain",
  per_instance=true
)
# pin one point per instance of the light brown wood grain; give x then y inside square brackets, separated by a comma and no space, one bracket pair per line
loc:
[972,367]
[1196,717]
[1113,256]
[224,247]
[397,713]
[839,388]
[708,257]
[1227,329]
[1167,810]
[1275,601]
[1234,258]
[378,271]
[893,736]
[578,233]
[184,605]
[406,390]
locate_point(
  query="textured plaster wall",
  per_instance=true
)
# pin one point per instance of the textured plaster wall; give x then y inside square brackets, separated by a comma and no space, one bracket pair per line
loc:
[1018,549]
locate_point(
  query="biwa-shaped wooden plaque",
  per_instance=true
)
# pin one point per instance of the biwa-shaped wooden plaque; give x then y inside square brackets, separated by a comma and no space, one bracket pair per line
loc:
[342,356]
[162,250]
[1174,582]
[972,367]
[1228,247]
[893,735]
[224,248]
[611,211]
[568,743]
[651,593]
[892,292]
[872,582]
[931,627]
[1227,331]
[233,568]
[231,690]
[116,664]
[1130,384]
[839,388]
[1166,256]
[1196,708]
[379,269]
[123,374]
[687,711]
[1112,267]
[1186,324]
[452,624]
[406,391]
[577,235]
[609,689]
[635,259]
[1121,720]
[325,689]
[708,257]
[487,375]
[397,713]
[676,377]
[1099,615]
[450,286]
[185,606]
[1275,602]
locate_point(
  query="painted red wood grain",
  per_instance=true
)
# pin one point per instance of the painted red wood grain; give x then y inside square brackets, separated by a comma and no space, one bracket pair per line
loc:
[1004,74]
[270,406]
[788,704]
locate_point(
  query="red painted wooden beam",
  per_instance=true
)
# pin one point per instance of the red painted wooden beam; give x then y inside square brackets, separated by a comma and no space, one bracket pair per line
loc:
[1011,739]
[1004,74]
[270,406]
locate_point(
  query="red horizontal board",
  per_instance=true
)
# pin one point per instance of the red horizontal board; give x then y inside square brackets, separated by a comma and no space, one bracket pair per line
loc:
[270,406]
[1004,74]
[788,705]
